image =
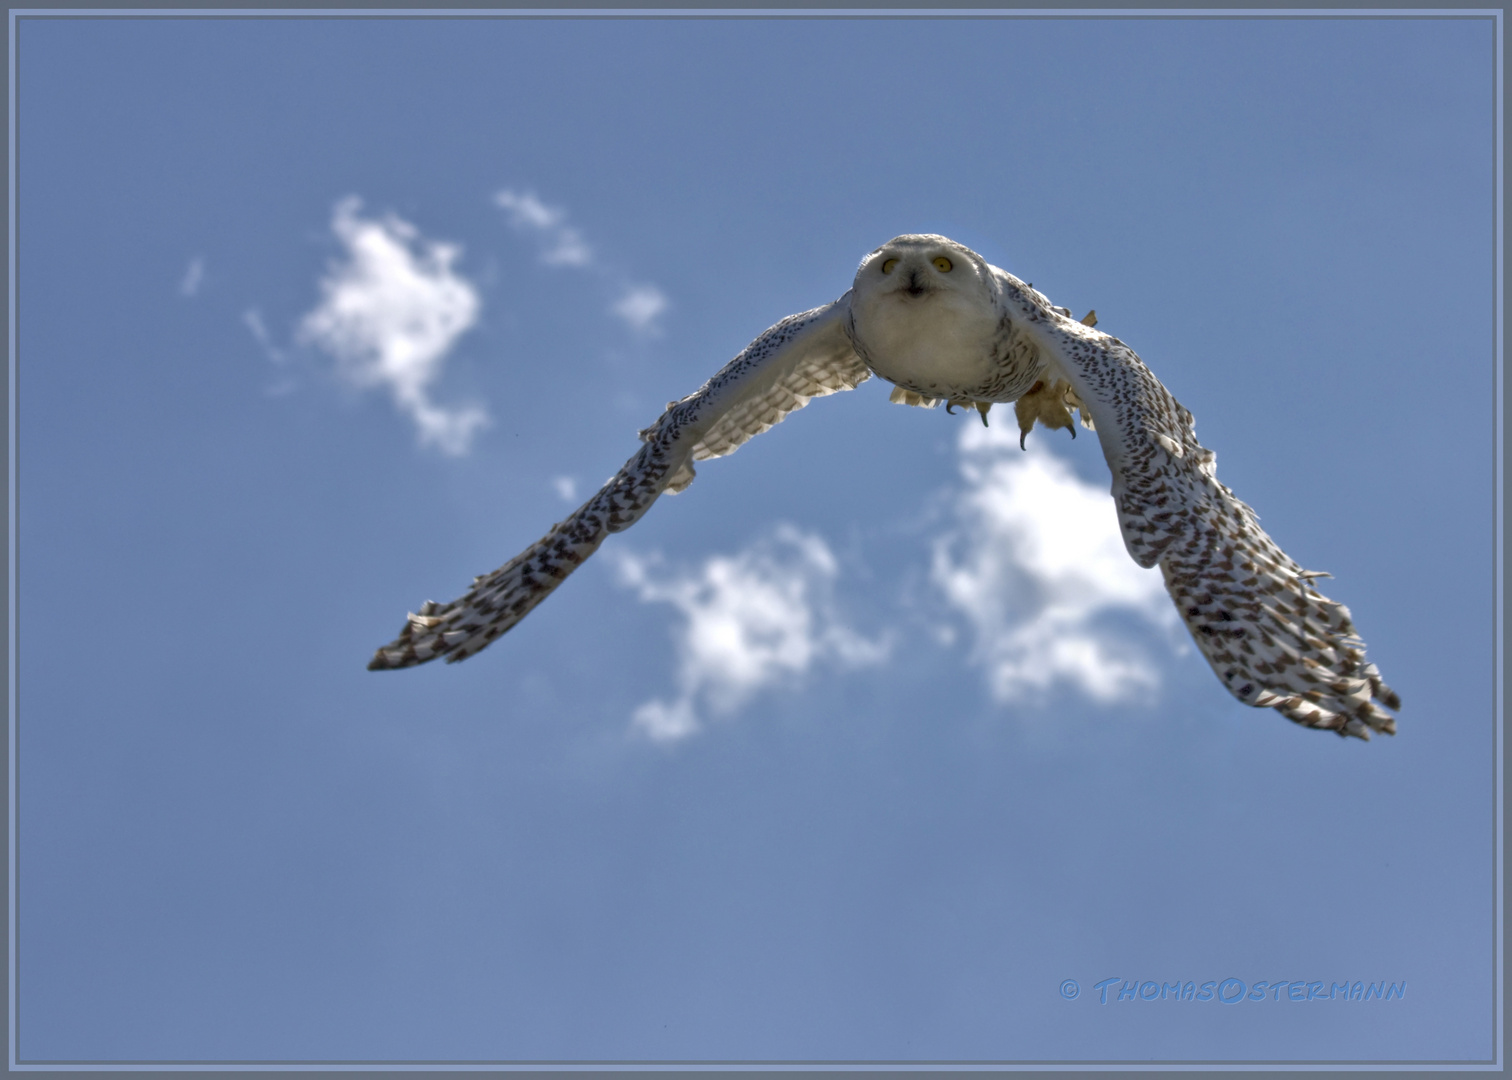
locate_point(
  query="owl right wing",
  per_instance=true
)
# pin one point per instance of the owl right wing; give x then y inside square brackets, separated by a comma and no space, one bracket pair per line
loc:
[1269,635]
[803,357]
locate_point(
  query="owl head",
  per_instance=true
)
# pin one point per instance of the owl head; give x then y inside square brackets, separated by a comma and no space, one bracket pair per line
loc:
[917,266]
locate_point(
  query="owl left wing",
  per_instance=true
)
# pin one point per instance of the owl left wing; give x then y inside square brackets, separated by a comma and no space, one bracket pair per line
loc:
[802,357]
[1270,636]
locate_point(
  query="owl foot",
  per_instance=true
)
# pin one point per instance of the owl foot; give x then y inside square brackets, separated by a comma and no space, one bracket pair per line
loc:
[1046,404]
[1024,433]
[981,407]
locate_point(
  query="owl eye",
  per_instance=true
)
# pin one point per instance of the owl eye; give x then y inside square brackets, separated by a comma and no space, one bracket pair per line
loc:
[942,264]
[887,267]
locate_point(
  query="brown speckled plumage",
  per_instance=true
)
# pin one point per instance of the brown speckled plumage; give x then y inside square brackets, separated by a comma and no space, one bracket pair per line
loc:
[802,357]
[971,333]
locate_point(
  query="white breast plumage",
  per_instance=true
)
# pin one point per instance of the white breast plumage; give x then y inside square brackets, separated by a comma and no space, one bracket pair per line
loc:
[939,343]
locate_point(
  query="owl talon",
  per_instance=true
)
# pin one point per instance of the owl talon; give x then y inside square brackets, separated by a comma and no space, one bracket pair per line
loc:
[950,407]
[982,407]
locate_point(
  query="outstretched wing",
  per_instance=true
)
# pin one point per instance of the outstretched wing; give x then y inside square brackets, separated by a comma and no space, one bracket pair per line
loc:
[803,357]
[1270,636]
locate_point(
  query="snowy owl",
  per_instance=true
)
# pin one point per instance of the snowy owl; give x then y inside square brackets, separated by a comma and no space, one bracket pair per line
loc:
[943,325]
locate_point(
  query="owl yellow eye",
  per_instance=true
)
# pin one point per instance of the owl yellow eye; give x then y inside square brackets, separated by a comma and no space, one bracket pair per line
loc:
[942,264]
[887,267]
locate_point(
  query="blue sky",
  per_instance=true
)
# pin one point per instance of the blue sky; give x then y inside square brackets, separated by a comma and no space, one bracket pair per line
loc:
[865,743]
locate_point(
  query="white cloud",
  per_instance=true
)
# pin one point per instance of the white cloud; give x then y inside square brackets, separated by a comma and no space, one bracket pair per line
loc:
[389,315]
[566,487]
[568,250]
[193,278]
[561,245]
[752,620]
[527,211]
[640,306]
[254,321]
[1035,565]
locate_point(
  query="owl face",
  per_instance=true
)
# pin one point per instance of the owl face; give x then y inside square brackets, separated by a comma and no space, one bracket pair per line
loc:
[924,316]
[916,267]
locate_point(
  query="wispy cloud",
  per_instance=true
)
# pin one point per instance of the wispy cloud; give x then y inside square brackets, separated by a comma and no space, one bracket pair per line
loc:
[561,244]
[526,211]
[193,277]
[752,620]
[285,383]
[254,322]
[390,312]
[1036,566]
[639,306]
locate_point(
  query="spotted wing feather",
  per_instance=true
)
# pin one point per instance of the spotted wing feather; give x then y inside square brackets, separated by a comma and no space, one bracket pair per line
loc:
[1270,636]
[824,363]
[802,357]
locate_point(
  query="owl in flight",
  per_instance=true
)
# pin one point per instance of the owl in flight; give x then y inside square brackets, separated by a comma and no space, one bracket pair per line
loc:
[943,325]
